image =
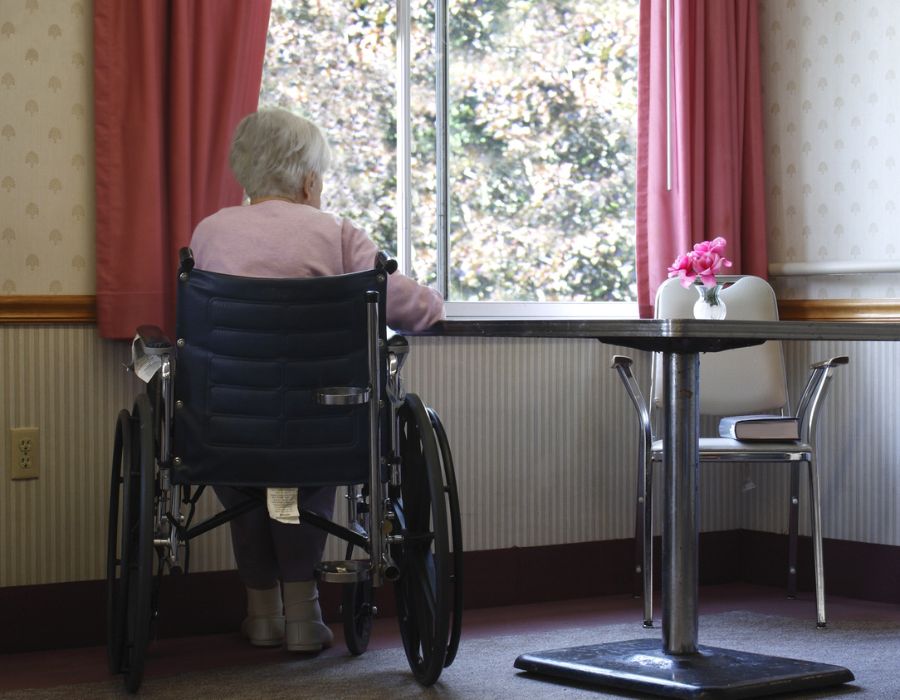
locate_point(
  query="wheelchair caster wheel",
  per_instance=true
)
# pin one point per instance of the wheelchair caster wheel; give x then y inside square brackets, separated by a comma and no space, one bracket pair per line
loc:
[357,612]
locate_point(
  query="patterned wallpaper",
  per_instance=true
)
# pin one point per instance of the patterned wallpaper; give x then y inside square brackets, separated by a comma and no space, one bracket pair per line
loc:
[46,148]
[830,103]
[831,108]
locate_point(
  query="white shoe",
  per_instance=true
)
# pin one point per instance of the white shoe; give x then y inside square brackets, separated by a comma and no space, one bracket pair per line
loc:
[264,631]
[309,635]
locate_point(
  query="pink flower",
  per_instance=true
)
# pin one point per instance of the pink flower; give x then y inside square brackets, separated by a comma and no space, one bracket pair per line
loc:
[684,268]
[716,245]
[706,265]
[704,261]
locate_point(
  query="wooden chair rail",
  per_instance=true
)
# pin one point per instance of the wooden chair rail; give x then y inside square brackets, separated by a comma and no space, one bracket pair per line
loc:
[48,309]
[63,309]
[885,310]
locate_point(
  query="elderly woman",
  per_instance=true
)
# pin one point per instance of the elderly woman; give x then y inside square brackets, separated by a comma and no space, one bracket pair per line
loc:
[279,158]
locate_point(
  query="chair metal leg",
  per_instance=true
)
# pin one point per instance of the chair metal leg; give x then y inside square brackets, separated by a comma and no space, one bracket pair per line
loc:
[793,526]
[816,518]
[648,543]
[643,537]
[640,499]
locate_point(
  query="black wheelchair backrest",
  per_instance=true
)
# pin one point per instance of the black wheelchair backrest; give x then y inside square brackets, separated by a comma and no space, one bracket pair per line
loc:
[251,354]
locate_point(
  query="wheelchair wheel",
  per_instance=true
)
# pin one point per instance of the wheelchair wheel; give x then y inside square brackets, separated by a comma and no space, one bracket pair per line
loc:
[120,507]
[424,590]
[455,535]
[356,612]
[129,562]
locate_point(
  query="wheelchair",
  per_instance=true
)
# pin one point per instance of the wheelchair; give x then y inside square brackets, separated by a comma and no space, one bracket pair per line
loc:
[285,383]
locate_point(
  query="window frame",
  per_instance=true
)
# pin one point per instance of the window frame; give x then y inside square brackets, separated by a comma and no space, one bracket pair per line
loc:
[459,310]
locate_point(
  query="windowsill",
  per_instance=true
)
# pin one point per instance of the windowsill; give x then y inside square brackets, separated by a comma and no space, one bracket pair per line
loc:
[538,311]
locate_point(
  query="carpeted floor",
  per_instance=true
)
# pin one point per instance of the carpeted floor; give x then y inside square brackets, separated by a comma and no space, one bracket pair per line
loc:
[484,666]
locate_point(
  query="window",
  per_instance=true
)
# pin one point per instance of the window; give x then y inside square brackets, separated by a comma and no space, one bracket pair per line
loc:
[516,152]
[333,61]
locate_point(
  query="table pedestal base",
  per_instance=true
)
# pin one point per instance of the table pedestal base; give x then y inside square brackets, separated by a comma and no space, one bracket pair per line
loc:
[640,665]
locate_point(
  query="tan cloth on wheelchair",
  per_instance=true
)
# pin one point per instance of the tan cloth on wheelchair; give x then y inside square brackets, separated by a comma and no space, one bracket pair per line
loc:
[283,505]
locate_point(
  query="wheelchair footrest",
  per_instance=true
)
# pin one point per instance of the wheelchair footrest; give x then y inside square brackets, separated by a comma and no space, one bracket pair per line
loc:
[344,571]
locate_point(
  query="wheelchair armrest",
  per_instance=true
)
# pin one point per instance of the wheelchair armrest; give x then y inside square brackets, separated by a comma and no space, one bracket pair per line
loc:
[154,340]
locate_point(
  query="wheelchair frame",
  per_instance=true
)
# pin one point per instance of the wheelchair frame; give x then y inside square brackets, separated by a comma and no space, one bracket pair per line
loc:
[410,529]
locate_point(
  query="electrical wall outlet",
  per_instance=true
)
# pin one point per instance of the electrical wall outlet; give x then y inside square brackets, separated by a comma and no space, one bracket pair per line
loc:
[24,453]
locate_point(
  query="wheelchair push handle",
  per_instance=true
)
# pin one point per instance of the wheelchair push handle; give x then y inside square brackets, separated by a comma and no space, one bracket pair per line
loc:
[383,262]
[185,259]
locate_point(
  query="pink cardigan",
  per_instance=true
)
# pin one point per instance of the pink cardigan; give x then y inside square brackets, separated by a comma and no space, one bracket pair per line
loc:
[281,239]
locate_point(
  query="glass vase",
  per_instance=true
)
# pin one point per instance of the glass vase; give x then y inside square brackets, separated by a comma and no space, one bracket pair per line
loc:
[710,305]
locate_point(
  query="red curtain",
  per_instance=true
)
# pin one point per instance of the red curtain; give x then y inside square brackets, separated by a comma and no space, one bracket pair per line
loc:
[171,80]
[715,150]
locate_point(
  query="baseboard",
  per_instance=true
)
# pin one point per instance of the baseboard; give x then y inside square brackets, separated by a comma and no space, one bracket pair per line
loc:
[62,615]
[852,569]
[214,602]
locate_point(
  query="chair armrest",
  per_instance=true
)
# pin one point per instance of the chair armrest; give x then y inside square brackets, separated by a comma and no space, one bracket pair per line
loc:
[622,364]
[621,361]
[814,393]
[831,362]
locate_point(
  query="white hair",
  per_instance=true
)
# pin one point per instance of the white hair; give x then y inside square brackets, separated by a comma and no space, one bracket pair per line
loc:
[273,150]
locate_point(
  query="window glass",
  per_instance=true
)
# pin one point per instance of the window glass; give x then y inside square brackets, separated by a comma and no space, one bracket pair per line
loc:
[543,97]
[333,62]
[542,111]
[423,174]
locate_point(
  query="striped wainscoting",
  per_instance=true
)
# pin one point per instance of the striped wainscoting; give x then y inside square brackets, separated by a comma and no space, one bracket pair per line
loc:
[543,438]
[71,384]
[67,383]
[858,448]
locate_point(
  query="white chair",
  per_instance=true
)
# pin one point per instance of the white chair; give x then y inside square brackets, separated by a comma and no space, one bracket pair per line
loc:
[733,382]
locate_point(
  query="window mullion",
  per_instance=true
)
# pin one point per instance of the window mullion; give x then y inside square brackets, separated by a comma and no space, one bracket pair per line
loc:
[442,186]
[404,139]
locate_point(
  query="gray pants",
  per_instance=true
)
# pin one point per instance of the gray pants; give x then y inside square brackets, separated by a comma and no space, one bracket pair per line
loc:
[268,551]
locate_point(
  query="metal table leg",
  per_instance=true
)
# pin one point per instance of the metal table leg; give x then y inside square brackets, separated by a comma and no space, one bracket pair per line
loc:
[680,667]
[681,469]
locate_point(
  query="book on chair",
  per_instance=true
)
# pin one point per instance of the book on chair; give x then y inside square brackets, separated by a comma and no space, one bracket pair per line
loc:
[760,427]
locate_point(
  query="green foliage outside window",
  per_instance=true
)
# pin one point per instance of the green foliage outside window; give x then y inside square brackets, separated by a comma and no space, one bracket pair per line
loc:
[542,143]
